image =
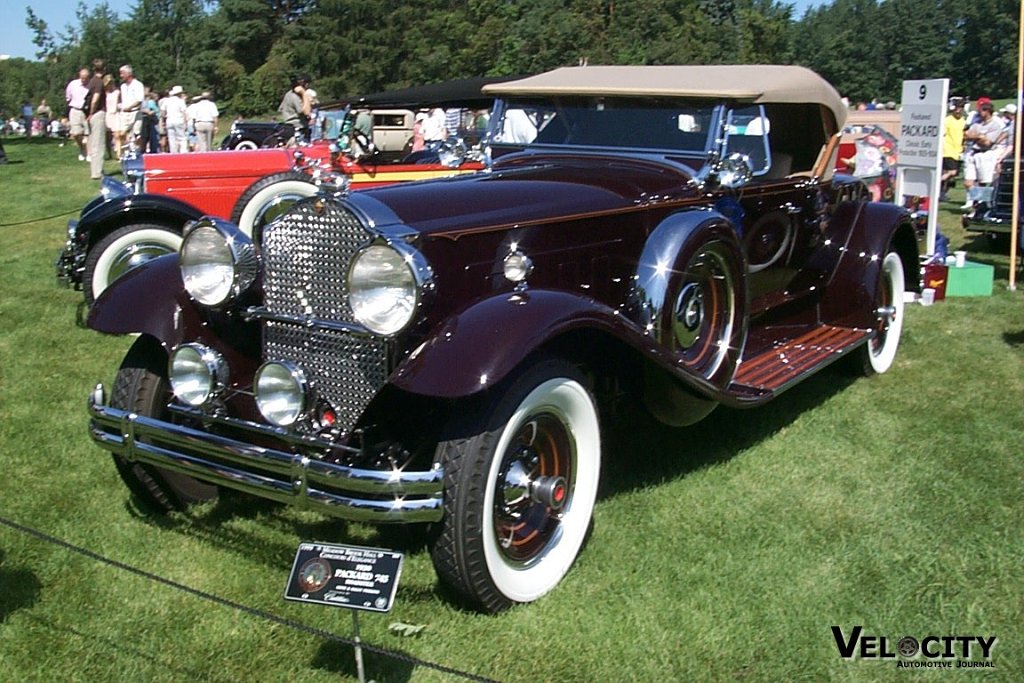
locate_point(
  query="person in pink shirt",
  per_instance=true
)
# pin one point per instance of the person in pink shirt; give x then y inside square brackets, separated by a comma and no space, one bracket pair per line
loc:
[77,95]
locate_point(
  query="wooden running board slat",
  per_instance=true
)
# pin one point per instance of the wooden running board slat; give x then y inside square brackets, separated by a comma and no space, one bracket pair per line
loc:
[792,359]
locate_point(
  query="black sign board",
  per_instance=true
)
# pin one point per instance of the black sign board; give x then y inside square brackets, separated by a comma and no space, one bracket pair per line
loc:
[344,576]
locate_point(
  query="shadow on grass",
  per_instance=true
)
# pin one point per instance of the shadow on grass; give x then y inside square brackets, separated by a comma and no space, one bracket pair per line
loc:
[640,451]
[173,669]
[339,658]
[1014,338]
[21,588]
[993,252]
[210,523]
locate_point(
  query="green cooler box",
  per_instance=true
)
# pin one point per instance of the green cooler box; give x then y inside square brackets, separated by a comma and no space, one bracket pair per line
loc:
[974,279]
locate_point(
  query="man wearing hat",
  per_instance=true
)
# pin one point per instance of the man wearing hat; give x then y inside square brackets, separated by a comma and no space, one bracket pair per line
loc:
[984,141]
[205,113]
[174,113]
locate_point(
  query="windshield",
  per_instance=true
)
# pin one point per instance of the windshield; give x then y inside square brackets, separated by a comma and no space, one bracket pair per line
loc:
[666,125]
[329,124]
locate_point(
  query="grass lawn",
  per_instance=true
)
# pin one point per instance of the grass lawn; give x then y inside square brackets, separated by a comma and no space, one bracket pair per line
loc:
[723,551]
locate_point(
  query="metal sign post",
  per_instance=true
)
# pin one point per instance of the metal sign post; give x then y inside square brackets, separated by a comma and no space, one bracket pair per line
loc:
[345,576]
[919,171]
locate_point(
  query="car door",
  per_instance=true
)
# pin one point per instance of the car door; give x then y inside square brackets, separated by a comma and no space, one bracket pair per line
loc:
[777,210]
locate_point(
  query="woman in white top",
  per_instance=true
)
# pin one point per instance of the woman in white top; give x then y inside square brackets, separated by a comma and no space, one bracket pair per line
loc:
[113,96]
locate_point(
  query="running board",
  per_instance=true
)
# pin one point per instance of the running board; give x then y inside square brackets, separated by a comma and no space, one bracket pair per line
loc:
[791,360]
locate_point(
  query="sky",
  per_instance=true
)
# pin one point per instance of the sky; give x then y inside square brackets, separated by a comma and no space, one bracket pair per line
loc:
[16,37]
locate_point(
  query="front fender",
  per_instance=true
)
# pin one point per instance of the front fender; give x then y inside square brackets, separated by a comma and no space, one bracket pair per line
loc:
[148,300]
[478,347]
[105,217]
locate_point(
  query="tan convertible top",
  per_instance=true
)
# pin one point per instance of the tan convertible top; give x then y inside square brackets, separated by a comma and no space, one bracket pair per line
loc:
[755,83]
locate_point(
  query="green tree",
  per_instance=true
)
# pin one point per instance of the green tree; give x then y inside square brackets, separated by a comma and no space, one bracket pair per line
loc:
[41,36]
[985,52]
[840,42]
[917,42]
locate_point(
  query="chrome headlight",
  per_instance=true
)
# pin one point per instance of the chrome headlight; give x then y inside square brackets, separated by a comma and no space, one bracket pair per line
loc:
[384,284]
[197,373]
[218,262]
[133,170]
[282,392]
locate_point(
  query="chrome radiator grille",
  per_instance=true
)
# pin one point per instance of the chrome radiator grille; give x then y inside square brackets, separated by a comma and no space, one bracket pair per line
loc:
[347,370]
[306,256]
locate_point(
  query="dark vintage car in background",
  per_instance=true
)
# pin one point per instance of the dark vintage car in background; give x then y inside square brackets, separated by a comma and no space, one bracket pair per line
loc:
[141,218]
[433,352]
[252,135]
[248,135]
[993,214]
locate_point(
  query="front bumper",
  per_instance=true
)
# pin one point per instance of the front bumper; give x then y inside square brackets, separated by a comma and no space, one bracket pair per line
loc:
[309,483]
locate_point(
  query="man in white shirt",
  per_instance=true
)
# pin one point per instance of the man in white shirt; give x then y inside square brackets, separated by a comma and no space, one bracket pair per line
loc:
[174,113]
[984,140]
[205,114]
[133,92]
[434,129]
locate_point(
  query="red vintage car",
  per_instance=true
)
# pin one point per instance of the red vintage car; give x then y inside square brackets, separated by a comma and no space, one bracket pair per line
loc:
[671,236]
[141,218]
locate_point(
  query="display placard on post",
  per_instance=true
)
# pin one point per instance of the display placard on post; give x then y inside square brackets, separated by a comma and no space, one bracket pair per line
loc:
[344,576]
[922,121]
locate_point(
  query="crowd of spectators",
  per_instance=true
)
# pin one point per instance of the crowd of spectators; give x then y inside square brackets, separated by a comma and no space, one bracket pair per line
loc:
[106,116]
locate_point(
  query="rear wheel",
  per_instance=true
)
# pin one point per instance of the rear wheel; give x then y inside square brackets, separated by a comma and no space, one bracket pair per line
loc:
[246,145]
[142,388]
[520,488]
[879,353]
[123,250]
[268,198]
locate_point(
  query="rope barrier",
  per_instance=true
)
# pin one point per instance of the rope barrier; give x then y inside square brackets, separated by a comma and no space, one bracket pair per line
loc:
[38,220]
[252,611]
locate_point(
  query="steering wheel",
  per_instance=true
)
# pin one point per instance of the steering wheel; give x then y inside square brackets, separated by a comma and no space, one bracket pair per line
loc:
[359,145]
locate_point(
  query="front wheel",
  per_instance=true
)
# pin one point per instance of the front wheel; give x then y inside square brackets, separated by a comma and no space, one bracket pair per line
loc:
[268,198]
[880,352]
[520,486]
[142,388]
[123,250]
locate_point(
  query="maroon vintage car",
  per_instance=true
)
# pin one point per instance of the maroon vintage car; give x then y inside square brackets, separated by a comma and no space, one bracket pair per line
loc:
[134,221]
[431,352]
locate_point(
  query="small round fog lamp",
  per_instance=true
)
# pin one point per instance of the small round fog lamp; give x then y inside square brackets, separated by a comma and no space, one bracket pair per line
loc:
[196,373]
[282,392]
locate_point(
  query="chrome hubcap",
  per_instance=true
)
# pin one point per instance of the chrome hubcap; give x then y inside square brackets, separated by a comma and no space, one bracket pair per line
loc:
[689,314]
[134,256]
[533,488]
